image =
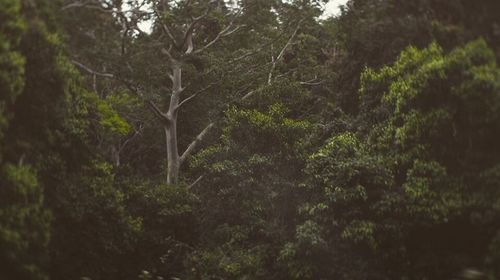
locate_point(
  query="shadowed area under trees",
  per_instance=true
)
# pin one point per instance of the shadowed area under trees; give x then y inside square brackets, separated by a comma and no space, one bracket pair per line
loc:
[249,139]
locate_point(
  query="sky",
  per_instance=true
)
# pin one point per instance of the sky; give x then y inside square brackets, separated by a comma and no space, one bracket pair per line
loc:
[332,8]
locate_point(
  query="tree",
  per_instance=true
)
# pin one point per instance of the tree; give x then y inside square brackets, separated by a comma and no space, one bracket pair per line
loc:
[175,37]
[441,142]
[411,178]
[178,48]
[24,223]
[248,187]
[373,33]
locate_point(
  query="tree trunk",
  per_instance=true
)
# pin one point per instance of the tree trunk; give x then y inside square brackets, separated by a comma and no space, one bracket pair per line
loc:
[173,161]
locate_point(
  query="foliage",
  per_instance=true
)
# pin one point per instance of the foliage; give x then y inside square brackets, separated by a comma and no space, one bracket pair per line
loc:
[24,222]
[24,230]
[415,177]
[361,146]
[11,61]
[252,173]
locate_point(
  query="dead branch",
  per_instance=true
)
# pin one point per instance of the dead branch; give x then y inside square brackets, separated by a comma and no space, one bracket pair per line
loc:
[90,71]
[225,32]
[192,96]
[190,149]
[282,52]
[195,182]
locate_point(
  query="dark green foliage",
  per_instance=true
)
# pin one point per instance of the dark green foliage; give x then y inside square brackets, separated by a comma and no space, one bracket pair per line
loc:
[119,229]
[24,223]
[347,183]
[445,118]
[409,191]
[252,172]
[366,150]
[92,224]
[167,215]
[373,33]
[24,230]
[11,61]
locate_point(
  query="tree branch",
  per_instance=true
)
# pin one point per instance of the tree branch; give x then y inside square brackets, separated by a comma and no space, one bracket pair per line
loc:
[248,95]
[312,82]
[225,32]
[167,30]
[189,150]
[188,35]
[282,52]
[157,111]
[87,4]
[162,116]
[195,182]
[90,71]
[137,132]
[170,58]
[194,95]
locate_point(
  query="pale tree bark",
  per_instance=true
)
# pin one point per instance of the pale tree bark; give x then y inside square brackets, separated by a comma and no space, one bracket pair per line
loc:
[170,126]
[174,161]
[169,118]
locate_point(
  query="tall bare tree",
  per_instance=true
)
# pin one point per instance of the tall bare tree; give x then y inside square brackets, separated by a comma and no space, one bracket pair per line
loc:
[183,31]
[181,45]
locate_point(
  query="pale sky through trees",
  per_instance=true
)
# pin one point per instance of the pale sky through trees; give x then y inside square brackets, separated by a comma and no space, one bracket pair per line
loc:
[331,8]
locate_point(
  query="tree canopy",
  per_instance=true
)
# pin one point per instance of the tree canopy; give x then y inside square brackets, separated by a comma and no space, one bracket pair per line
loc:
[249,139]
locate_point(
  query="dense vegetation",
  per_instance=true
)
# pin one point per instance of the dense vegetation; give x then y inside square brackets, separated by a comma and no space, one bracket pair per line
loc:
[249,139]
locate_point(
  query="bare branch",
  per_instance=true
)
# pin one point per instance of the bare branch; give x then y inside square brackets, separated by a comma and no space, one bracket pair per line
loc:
[312,82]
[188,35]
[90,71]
[76,4]
[189,43]
[167,30]
[157,111]
[196,141]
[194,95]
[170,57]
[248,95]
[195,182]
[282,52]
[126,29]
[91,4]
[257,50]
[290,40]
[137,132]
[186,100]
[225,32]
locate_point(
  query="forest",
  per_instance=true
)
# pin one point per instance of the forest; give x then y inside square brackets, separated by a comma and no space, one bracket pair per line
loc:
[249,139]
